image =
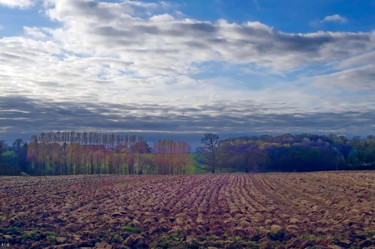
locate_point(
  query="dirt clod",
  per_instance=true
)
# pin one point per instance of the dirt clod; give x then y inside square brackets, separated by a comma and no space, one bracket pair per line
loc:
[319,210]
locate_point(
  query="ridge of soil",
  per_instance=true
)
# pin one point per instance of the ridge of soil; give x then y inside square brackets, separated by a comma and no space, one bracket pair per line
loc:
[273,210]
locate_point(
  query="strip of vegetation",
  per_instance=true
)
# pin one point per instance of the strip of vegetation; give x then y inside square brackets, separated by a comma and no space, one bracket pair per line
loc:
[130,229]
[61,153]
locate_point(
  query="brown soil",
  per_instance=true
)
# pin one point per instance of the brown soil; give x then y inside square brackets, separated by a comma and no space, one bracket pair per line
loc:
[299,210]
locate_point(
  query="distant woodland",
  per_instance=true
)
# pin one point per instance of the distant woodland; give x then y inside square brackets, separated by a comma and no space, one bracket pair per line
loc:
[297,153]
[58,153]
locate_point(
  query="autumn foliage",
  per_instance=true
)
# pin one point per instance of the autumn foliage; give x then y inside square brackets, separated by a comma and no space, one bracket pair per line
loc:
[97,153]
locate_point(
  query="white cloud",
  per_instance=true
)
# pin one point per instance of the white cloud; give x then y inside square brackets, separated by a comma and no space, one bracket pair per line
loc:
[335,18]
[35,32]
[358,60]
[353,79]
[133,53]
[105,28]
[22,4]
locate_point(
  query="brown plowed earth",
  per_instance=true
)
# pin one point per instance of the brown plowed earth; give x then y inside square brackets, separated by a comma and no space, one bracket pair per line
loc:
[274,210]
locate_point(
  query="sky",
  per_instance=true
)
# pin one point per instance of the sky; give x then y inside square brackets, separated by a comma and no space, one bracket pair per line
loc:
[181,68]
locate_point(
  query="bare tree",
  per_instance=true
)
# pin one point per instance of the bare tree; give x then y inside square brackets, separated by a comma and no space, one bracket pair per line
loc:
[209,150]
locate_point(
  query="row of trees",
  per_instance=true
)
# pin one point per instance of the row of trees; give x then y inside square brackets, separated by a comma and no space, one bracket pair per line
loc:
[306,152]
[56,153]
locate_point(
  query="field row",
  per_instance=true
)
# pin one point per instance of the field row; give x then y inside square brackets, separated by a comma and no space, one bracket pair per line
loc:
[240,210]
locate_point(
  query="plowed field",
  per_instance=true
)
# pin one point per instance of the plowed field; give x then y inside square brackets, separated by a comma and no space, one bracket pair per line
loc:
[316,210]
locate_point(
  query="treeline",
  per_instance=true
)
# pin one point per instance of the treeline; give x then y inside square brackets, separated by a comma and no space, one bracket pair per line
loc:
[306,152]
[57,153]
[13,159]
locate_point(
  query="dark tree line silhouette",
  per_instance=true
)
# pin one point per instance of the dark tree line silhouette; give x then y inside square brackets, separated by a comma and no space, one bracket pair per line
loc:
[306,152]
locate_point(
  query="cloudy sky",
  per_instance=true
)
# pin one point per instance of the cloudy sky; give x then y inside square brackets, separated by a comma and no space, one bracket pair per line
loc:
[180,68]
